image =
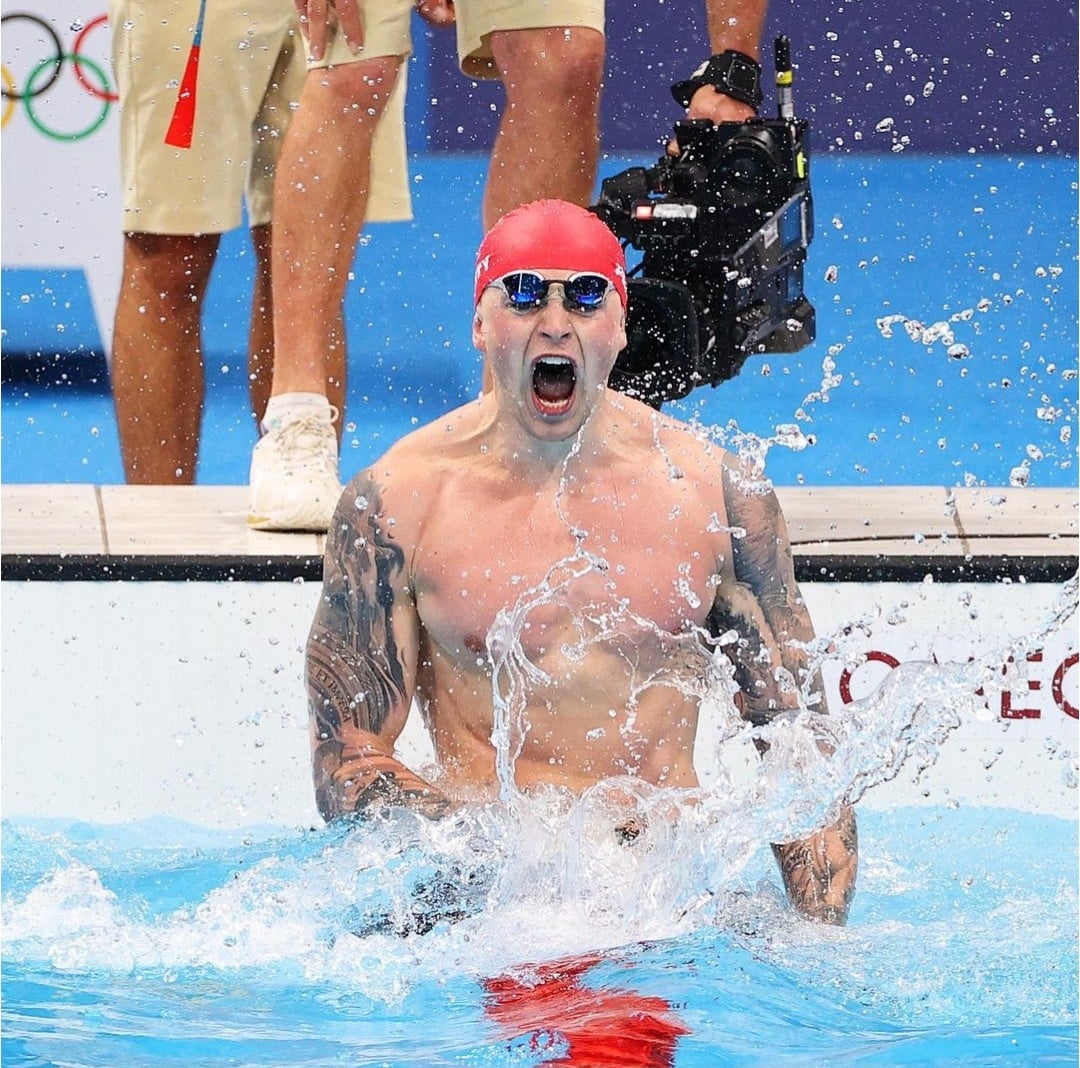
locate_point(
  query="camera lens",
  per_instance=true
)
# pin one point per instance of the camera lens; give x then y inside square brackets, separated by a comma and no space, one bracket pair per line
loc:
[747,170]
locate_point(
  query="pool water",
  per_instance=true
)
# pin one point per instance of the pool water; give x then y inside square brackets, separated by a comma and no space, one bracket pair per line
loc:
[163,943]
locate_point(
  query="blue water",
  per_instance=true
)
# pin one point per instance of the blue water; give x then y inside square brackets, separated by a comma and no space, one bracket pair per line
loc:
[160,943]
[971,254]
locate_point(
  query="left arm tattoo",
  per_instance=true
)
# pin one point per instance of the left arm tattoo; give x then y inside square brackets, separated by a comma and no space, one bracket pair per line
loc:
[773,627]
[819,872]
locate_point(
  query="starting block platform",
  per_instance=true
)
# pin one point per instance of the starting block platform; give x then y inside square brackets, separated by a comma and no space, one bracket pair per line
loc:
[75,533]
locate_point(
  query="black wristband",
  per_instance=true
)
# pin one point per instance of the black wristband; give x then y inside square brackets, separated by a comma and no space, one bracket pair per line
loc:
[732,73]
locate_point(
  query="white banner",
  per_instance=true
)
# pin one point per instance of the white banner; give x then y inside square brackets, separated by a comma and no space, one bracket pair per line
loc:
[126,700]
[60,148]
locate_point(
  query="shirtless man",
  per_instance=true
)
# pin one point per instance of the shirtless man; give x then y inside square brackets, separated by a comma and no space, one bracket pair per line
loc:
[456,520]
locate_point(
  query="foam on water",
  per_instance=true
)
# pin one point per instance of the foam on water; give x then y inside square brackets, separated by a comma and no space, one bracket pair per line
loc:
[963,942]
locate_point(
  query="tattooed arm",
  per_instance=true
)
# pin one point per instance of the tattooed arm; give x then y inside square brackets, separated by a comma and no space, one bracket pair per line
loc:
[766,610]
[361,665]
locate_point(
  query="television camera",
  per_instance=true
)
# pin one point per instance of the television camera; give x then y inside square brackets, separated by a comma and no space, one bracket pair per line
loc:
[724,229]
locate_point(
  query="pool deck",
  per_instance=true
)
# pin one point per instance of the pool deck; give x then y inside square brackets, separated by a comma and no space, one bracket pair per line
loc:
[82,532]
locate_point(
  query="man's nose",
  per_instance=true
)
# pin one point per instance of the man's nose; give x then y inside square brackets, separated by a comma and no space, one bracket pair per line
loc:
[554,318]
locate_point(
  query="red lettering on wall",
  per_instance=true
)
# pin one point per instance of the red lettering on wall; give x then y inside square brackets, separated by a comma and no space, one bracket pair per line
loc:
[1014,705]
[1007,710]
[1058,685]
[873,656]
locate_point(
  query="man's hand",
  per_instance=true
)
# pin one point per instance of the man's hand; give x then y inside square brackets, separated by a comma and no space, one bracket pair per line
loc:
[437,12]
[819,872]
[374,782]
[709,103]
[316,16]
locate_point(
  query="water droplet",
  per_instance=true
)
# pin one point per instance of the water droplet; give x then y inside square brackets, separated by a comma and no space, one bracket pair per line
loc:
[1020,476]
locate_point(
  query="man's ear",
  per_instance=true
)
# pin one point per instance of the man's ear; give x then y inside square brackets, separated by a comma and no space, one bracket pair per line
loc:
[622,333]
[478,330]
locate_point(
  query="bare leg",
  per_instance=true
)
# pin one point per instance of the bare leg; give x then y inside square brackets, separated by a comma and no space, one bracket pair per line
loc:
[261,329]
[320,201]
[548,141]
[157,366]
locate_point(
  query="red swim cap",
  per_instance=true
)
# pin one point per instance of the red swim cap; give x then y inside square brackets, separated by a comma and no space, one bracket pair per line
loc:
[550,235]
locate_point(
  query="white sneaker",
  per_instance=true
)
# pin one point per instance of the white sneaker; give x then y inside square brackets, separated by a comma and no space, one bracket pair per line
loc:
[294,475]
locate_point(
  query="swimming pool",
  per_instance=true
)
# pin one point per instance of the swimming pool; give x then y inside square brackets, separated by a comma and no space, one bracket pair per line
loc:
[156,941]
[162,943]
[524,933]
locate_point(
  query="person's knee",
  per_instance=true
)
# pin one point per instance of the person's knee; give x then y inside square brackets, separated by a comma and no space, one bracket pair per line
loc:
[359,90]
[565,66]
[175,266]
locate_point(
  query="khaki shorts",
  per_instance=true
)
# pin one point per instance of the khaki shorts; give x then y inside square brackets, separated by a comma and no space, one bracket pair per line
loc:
[389,36]
[386,33]
[478,19]
[251,70]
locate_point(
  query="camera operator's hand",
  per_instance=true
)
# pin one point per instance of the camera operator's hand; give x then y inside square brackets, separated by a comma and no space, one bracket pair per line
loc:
[709,103]
[437,12]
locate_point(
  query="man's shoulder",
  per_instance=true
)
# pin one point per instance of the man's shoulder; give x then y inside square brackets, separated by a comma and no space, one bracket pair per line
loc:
[695,443]
[419,457]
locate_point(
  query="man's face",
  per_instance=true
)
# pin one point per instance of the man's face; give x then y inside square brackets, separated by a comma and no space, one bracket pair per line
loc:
[549,363]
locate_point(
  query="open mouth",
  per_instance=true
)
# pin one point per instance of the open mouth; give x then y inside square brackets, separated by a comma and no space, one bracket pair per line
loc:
[553,382]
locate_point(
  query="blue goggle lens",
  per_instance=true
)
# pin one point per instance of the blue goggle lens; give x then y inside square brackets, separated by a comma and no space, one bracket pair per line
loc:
[527,290]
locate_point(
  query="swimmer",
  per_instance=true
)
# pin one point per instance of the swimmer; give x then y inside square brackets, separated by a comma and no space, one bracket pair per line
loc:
[457,519]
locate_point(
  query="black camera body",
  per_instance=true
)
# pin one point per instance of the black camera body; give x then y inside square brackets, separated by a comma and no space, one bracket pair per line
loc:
[724,228]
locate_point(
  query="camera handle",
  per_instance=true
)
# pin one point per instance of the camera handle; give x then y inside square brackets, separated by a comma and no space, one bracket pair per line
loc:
[732,73]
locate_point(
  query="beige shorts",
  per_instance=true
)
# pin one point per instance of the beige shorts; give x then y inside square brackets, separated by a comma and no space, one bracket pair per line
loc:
[478,19]
[386,33]
[389,36]
[251,70]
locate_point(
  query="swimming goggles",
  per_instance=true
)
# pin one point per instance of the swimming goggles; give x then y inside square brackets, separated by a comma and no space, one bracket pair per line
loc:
[528,290]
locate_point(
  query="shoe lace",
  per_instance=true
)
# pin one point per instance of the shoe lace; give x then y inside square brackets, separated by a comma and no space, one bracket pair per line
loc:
[309,443]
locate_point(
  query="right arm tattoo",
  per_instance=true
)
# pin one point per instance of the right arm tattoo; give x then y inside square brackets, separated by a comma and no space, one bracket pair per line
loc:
[354,671]
[358,667]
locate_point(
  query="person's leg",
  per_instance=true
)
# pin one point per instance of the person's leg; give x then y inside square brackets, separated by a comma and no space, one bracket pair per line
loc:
[343,161]
[157,367]
[320,202]
[548,139]
[177,201]
[261,328]
[321,191]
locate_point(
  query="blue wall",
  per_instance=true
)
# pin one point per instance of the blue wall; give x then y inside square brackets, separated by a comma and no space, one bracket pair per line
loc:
[968,76]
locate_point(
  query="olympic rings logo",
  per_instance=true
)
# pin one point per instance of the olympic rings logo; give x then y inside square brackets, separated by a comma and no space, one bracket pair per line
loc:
[91,76]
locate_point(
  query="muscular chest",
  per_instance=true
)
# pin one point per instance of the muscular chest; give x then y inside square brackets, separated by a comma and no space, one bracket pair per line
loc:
[565,572]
